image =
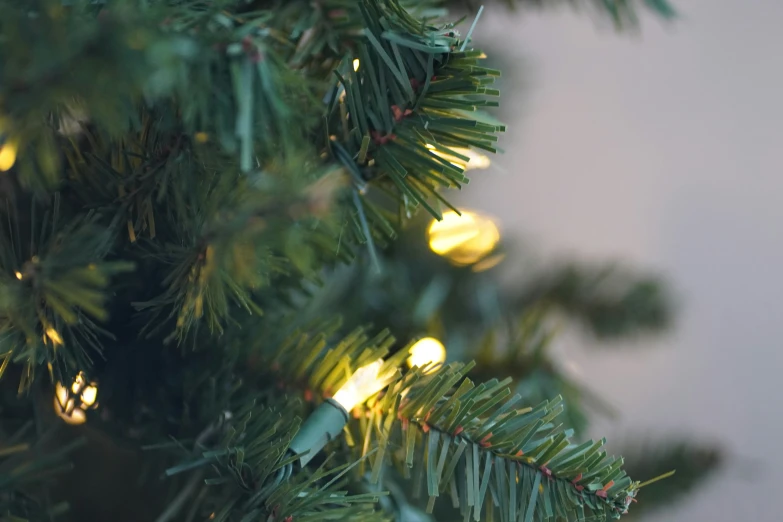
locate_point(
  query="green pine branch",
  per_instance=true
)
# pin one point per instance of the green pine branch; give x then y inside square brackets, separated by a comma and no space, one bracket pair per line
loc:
[610,301]
[476,443]
[192,138]
[134,150]
[422,292]
[55,277]
[25,467]
[492,451]
[410,101]
[525,355]
[239,469]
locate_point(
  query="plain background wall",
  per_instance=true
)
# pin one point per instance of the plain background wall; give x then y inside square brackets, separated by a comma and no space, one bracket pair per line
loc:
[664,149]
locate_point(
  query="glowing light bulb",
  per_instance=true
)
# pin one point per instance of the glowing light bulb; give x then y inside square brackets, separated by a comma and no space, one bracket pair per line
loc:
[363,383]
[326,423]
[89,394]
[54,335]
[464,240]
[78,382]
[7,156]
[71,404]
[427,351]
[355,64]
[61,393]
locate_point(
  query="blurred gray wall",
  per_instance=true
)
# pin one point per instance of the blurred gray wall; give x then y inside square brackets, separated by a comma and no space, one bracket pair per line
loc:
[665,149]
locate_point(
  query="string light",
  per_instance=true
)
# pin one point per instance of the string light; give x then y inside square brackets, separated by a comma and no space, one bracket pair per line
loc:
[71,404]
[464,240]
[362,384]
[427,352]
[355,64]
[328,420]
[7,156]
[54,335]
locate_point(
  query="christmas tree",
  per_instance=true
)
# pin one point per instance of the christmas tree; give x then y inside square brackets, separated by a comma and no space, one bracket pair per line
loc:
[211,211]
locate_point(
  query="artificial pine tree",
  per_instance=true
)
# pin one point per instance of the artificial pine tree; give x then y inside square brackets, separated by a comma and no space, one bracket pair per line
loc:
[184,184]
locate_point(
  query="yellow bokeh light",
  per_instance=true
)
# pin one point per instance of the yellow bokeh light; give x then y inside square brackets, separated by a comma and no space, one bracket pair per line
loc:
[465,239]
[78,382]
[71,405]
[89,395]
[7,156]
[61,393]
[426,351]
[65,406]
[355,64]
[18,275]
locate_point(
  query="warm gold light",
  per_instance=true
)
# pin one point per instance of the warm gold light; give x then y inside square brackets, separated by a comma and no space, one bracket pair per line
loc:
[71,404]
[465,239]
[427,351]
[54,335]
[89,395]
[363,383]
[78,383]
[7,156]
[475,160]
[355,64]
[18,275]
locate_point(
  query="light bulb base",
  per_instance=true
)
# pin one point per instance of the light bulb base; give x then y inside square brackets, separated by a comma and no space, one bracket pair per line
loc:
[324,424]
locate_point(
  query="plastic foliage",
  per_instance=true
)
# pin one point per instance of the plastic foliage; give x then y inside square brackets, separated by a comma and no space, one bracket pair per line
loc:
[174,173]
[25,469]
[475,443]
